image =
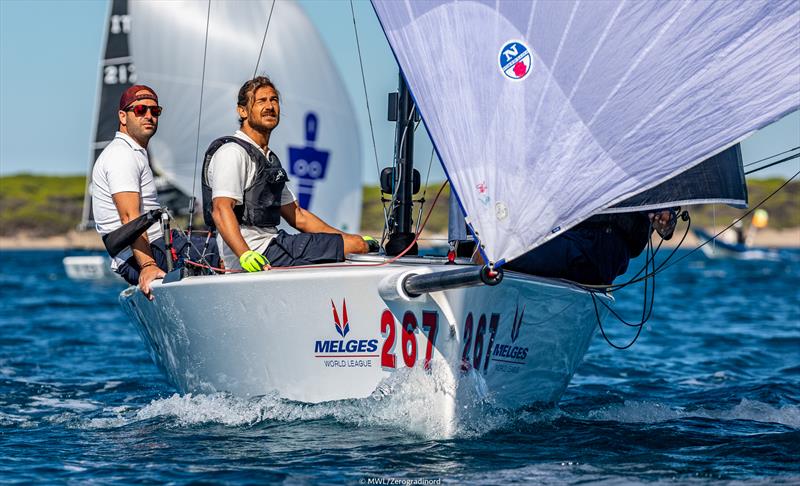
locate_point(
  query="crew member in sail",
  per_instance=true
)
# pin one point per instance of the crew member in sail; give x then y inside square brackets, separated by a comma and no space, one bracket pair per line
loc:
[124,187]
[598,250]
[245,195]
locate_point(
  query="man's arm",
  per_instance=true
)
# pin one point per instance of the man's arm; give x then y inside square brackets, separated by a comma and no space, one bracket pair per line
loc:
[127,204]
[308,222]
[305,221]
[227,224]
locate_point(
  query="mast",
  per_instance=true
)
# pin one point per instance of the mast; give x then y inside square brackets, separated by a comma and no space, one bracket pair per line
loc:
[403,179]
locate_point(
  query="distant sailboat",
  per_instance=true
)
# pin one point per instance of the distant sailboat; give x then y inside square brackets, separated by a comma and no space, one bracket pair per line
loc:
[543,114]
[118,73]
[737,243]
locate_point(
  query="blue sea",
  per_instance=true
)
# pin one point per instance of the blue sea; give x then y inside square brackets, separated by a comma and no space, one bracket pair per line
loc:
[709,393]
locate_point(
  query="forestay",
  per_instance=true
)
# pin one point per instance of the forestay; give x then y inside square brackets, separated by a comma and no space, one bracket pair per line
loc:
[547,112]
[317,139]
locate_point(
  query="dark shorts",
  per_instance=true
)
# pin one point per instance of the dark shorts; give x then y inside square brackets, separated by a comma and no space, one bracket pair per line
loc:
[129,270]
[287,250]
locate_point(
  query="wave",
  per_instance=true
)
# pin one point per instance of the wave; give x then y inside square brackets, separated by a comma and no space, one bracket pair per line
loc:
[652,412]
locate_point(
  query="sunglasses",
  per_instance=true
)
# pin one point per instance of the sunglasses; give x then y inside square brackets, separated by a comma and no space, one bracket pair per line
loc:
[141,110]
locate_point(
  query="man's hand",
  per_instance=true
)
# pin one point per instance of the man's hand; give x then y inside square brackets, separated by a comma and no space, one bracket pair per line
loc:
[664,223]
[253,261]
[372,244]
[146,277]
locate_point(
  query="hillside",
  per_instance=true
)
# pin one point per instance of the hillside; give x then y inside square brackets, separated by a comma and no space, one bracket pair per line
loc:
[40,205]
[49,205]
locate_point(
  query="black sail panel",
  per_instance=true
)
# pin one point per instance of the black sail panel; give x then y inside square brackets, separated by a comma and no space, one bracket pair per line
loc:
[719,179]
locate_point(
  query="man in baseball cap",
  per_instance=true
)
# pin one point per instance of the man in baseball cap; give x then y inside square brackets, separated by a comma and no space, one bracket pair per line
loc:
[124,187]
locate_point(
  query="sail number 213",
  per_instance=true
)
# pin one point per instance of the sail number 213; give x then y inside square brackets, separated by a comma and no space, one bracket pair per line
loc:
[408,338]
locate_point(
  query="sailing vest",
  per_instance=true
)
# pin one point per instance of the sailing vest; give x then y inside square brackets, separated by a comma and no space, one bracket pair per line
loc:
[261,205]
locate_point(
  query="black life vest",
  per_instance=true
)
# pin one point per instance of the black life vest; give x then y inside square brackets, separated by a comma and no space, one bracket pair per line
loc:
[261,205]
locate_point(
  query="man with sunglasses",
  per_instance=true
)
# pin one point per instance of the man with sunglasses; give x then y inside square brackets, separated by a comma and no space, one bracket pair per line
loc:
[124,187]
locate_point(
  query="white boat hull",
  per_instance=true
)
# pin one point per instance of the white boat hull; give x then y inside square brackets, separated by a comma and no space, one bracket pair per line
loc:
[88,267]
[276,332]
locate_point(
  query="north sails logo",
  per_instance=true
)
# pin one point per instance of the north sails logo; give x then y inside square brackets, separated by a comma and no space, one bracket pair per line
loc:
[515,60]
[342,327]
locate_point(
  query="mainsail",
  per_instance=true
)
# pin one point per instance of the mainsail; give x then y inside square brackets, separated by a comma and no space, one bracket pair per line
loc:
[544,113]
[317,139]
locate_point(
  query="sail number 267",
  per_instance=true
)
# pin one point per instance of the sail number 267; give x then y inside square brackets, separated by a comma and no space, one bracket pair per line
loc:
[408,338]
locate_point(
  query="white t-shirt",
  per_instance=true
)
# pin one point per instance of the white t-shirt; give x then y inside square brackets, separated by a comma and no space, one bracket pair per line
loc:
[230,172]
[123,166]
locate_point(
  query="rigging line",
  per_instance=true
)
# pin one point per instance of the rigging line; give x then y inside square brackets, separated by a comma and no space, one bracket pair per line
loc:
[786,159]
[264,39]
[366,97]
[613,287]
[771,156]
[600,324]
[735,221]
[425,190]
[199,117]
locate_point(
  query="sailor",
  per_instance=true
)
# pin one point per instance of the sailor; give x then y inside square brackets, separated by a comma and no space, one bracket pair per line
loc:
[123,187]
[598,250]
[245,196]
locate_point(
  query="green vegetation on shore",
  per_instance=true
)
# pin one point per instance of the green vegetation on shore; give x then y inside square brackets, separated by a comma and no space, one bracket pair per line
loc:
[52,205]
[40,205]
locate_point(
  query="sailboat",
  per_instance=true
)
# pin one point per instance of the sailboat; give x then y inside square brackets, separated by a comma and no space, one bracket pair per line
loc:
[542,114]
[735,242]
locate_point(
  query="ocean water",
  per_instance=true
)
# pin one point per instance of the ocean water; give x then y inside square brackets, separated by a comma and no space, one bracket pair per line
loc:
[709,393]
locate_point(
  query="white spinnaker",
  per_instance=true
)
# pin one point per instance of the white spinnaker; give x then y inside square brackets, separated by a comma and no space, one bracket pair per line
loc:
[168,49]
[620,97]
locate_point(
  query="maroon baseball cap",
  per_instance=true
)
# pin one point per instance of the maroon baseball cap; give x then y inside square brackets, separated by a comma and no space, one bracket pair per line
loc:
[135,93]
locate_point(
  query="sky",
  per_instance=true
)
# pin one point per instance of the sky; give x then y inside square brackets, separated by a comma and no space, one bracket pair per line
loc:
[57,43]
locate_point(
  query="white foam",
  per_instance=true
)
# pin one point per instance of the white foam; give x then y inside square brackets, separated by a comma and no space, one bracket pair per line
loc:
[412,399]
[649,412]
[64,403]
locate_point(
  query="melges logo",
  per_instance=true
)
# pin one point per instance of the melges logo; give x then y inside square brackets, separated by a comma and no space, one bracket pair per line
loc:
[342,347]
[342,329]
[510,353]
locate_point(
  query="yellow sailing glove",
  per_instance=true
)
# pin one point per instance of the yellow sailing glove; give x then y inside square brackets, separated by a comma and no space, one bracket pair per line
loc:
[253,261]
[372,244]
